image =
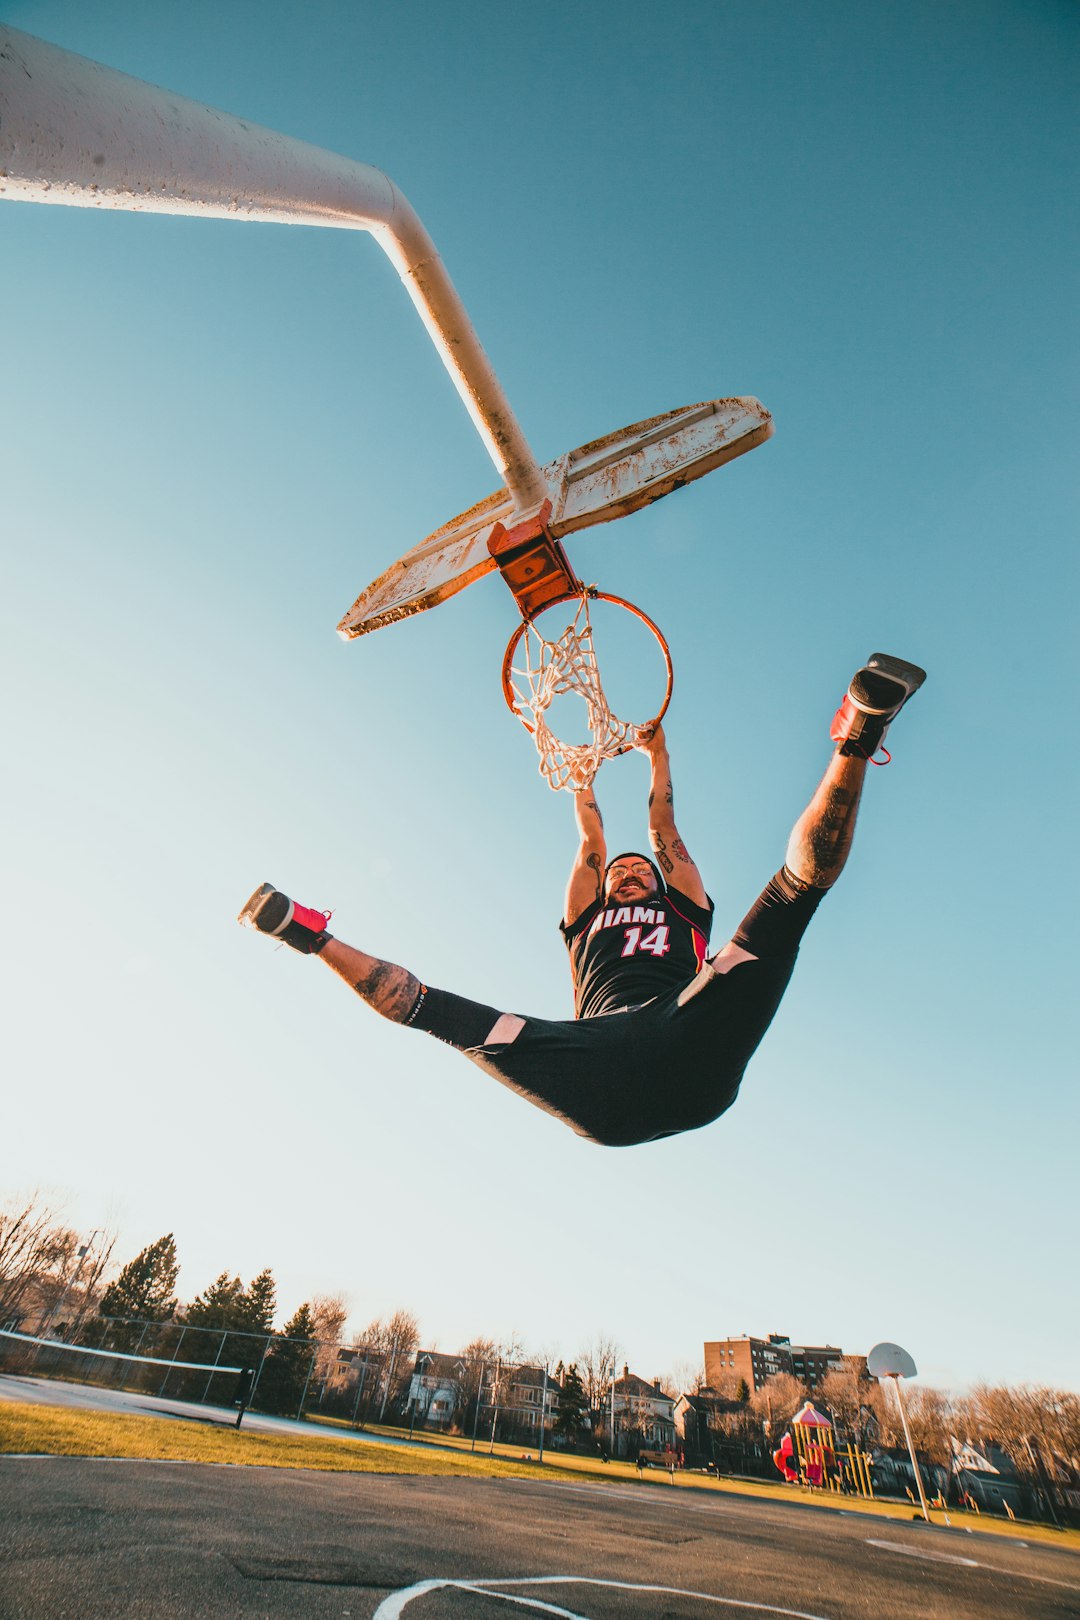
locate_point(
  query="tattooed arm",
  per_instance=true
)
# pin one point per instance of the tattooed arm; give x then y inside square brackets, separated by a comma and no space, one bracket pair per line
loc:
[670,851]
[587,875]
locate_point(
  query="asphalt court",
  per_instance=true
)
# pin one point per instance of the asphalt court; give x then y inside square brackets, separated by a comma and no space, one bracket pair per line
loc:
[97,1538]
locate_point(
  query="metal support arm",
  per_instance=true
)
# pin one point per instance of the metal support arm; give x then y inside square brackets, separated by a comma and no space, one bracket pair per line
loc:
[73,131]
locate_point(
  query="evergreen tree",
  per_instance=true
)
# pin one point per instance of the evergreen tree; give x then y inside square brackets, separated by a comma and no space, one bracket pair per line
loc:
[144,1288]
[246,1315]
[143,1292]
[573,1404]
[228,1304]
[220,1306]
[742,1393]
[260,1303]
[285,1371]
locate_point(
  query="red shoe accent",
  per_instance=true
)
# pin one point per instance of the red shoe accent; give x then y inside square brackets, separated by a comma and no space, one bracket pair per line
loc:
[843,719]
[308,918]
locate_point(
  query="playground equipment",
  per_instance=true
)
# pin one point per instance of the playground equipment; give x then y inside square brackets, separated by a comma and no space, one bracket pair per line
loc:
[808,1455]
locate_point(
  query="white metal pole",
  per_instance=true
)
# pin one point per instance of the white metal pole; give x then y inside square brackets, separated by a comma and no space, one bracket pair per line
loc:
[543,1411]
[476,1414]
[911,1448]
[74,131]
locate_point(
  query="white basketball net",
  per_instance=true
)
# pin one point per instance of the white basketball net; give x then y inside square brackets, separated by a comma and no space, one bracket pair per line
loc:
[553,669]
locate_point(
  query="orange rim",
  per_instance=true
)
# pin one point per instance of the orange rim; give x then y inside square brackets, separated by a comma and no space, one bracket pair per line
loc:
[594,596]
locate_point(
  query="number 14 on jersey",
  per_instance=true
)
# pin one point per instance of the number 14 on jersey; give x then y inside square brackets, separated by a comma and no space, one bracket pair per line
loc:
[655,941]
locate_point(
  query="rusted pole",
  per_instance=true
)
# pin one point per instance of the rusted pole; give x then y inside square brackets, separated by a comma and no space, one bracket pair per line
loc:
[74,131]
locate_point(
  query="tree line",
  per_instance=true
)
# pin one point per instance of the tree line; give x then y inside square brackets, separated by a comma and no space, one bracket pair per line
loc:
[52,1285]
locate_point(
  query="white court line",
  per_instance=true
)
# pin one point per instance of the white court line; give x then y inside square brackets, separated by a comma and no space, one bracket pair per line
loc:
[952,1558]
[1046,1579]
[390,1608]
[848,1513]
[623,1493]
[466,1586]
[922,1552]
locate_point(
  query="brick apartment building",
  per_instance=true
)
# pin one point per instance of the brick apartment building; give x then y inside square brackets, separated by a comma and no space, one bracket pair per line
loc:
[757,1360]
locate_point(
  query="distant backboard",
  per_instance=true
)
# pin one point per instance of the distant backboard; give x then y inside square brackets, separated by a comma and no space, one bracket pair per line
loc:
[606,479]
[890,1361]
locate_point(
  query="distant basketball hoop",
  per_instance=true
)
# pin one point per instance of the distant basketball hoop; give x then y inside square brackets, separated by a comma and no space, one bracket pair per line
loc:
[892,1361]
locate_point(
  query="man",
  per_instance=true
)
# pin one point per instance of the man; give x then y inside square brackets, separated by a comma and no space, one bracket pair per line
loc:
[661,1032]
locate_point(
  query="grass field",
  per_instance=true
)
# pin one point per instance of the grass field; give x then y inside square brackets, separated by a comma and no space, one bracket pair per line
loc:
[31,1430]
[58,1431]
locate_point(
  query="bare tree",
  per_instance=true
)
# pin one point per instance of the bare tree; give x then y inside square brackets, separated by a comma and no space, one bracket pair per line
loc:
[36,1255]
[328,1316]
[1038,1427]
[86,1287]
[930,1419]
[596,1366]
[396,1340]
[685,1378]
[329,1313]
[740,1428]
[729,1384]
[776,1403]
[510,1349]
[847,1393]
[480,1358]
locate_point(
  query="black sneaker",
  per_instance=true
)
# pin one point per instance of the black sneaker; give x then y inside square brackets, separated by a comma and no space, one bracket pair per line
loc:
[272,912]
[875,697]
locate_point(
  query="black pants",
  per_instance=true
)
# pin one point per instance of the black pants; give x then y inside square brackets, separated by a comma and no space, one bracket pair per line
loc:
[671,1065]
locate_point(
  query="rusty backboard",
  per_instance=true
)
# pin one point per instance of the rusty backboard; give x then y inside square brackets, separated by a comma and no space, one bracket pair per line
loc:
[606,479]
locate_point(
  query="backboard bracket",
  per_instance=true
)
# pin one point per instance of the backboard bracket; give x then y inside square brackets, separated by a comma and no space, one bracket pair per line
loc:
[605,479]
[532,562]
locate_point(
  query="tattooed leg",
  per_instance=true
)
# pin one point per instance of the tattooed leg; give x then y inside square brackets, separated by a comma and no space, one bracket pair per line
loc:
[391,990]
[821,840]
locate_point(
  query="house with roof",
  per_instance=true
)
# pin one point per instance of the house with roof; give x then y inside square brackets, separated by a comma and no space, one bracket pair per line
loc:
[697,1420]
[439,1388]
[517,1399]
[641,1414]
[532,1397]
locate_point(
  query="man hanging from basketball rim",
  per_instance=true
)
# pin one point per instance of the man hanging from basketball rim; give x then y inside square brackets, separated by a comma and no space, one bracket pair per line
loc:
[662,1032]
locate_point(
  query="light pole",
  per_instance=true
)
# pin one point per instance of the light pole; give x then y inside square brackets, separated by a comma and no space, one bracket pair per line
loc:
[359,1392]
[495,1405]
[479,1395]
[543,1411]
[81,1253]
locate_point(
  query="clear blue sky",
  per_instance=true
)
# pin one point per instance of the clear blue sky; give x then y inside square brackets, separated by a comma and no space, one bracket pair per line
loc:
[215,433]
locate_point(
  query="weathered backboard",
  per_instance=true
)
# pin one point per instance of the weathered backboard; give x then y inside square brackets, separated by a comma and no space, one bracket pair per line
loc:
[606,479]
[890,1361]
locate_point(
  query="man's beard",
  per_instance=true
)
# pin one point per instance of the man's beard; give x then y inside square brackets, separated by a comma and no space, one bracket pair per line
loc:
[639,895]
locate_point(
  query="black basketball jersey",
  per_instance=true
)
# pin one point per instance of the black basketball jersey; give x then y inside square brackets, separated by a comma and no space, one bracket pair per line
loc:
[621,956]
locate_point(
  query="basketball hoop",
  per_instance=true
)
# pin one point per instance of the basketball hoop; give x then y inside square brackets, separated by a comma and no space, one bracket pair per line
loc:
[568,665]
[78,133]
